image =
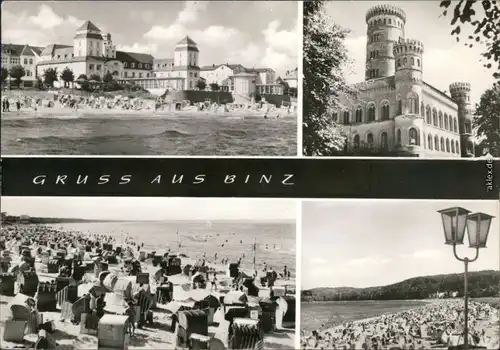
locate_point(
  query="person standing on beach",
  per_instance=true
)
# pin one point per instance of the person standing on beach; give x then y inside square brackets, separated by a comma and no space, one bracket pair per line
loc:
[18,105]
[130,312]
[214,281]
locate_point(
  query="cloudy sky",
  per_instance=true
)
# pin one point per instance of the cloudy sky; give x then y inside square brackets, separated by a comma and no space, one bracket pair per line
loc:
[365,243]
[444,61]
[115,208]
[252,33]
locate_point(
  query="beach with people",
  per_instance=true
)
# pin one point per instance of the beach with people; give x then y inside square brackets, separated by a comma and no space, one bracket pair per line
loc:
[436,324]
[117,284]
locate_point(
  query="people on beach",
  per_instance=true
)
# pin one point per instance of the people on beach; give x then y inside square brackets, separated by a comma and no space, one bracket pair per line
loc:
[130,312]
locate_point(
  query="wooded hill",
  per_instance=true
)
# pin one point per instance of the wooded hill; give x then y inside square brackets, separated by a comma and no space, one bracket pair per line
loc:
[481,284]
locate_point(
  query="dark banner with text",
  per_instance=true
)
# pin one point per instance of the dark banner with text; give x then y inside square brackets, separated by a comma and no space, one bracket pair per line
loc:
[264,177]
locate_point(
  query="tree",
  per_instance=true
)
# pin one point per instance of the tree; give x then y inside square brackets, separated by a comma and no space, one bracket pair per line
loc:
[5,74]
[487,119]
[83,84]
[257,98]
[50,76]
[484,19]
[67,76]
[16,73]
[95,77]
[108,77]
[324,82]
[214,87]
[201,84]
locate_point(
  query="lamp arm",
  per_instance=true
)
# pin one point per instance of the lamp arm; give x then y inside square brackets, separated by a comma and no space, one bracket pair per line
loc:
[465,259]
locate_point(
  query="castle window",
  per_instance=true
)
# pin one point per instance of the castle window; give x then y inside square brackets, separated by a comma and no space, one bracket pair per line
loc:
[346,117]
[376,73]
[139,65]
[405,61]
[455,127]
[91,66]
[132,65]
[446,121]
[425,140]
[418,62]
[369,140]
[98,67]
[125,65]
[436,143]
[390,22]
[412,61]
[385,21]
[400,106]
[398,137]
[371,113]
[428,114]
[450,123]
[442,144]
[414,139]
[140,75]
[457,148]
[467,127]
[385,111]
[125,74]
[356,142]
[448,145]
[383,141]
[413,104]
[452,146]
[25,61]
[429,142]
[398,64]
[335,116]
[147,75]
[422,109]
[359,115]
[434,118]
[440,119]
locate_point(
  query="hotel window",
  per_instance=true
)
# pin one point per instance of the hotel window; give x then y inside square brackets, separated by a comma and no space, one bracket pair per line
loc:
[346,117]
[58,56]
[140,75]
[385,111]
[442,144]
[418,62]
[356,142]
[91,66]
[132,65]
[434,118]
[147,75]
[436,143]
[448,145]
[125,65]
[133,74]
[369,140]
[452,146]
[139,65]
[414,139]
[440,119]
[371,113]
[65,56]
[335,116]
[124,74]
[467,127]
[98,67]
[446,121]
[429,142]
[457,148]
[25,61]
[383,141]
[359,115]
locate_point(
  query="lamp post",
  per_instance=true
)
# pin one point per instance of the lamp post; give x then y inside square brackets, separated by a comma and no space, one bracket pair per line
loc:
[455,221]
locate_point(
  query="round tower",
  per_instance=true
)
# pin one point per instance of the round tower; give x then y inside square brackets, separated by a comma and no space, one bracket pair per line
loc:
[460,93]
[386,25]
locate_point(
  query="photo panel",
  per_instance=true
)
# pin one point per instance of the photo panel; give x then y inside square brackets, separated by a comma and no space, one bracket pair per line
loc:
[166,78]
[148,273]
[396,78]
[390,274]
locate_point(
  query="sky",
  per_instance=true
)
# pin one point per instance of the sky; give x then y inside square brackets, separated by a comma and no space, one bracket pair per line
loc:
[131,209]
[251,33]
[444,61]
[368,243]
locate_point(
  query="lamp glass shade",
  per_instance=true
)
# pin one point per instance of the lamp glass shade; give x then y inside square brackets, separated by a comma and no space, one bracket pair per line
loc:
[478,228]
[454,222]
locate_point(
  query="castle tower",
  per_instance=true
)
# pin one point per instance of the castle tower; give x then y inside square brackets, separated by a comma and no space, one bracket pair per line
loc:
[108,49]
[186,62]
[88,41]
[408,76]
[460,93]
[385,26]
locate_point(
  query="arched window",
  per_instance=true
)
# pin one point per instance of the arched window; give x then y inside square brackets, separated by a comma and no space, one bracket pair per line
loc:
[450,122]
[400,106]
[398,64]
[434,117]
[424,139]
[429,141]
[385,110]
[436,143]
[412,61]
[356,141]
[440,119]
[452,146]
[428,114]
[457,147]
[446,121]
[418,62]
[369,140]
[335,116]
[359,115]
[371,113]
[405,60]
[455,127]
[414,139]
[442,144]
[413,104]
[383,141]
[398,137]
[422,109]
[448,145]
[467,127]
[346,117]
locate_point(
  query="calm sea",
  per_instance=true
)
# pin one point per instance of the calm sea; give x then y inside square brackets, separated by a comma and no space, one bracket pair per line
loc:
[333,313]
[127,135]
[275,241]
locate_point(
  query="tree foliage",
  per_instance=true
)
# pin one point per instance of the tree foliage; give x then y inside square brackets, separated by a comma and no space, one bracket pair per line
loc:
[324,82]
[95,77]
[50,76]
[17,72]
[201,84]
[487,120]
[480,284]
[5,74]
[67,76]
[484,17]
[108,77]
[214,87]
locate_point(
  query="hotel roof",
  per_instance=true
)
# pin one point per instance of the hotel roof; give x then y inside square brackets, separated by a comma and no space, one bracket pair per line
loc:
[134,57]
[186,41]
[88,26]
[21,50]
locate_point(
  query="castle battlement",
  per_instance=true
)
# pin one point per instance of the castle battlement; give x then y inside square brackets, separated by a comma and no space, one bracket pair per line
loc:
[381,10]
[407,45]
[459,89]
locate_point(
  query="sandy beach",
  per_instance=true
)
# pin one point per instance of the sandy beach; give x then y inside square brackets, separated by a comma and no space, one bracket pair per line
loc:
[164,328]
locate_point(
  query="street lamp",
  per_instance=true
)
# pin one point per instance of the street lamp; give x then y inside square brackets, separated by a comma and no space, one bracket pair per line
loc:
[455,221]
